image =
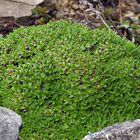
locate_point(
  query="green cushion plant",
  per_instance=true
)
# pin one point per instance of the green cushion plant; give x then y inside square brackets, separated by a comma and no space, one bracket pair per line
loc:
[66,80]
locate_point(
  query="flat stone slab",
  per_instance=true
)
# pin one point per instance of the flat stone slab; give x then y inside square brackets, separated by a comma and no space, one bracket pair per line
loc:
[15,9]
[30,2]
[10,123]
[129,130]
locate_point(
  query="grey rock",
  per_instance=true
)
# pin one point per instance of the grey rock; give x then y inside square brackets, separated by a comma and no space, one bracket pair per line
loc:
[17,8]
[129,130]
[29,2]
[10,123]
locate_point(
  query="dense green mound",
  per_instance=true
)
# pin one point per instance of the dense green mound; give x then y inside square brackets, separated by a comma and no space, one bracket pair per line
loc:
[66,80]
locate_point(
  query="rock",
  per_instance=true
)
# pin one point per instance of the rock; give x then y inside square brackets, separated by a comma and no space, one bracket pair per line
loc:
[129,130]
[10,123]
[29,2]
[17,8]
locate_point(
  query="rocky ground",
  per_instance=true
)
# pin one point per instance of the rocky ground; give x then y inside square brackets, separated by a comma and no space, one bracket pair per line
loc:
[122,16]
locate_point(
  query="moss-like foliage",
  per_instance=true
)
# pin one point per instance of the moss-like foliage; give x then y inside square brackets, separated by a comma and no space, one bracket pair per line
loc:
[66,80]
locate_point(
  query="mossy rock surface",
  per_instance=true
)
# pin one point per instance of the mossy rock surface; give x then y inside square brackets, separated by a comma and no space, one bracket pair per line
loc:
[66,80]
